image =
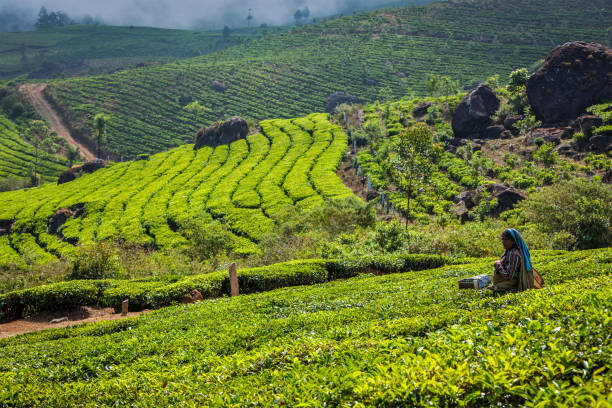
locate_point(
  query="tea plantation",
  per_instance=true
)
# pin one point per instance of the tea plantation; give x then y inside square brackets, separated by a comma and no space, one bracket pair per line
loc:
[90,49]
[293,73]
[247,184]
[407,339]
[17,156]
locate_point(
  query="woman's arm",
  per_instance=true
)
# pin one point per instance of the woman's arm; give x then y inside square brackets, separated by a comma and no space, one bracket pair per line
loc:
[508,267]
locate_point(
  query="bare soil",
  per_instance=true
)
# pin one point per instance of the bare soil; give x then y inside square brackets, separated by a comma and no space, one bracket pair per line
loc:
[83,314]
[34,92]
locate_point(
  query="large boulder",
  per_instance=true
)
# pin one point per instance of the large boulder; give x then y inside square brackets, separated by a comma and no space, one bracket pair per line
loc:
[510,121]
[218,86]
[574,76]
[75,171]
[600,143]
[339,98]
[421,110]
[59,218]
[496,132]
[233,129]
[473,114]
[586,124]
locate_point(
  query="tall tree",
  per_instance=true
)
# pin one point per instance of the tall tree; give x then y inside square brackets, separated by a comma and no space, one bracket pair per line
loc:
[413,162]
[249,18]
[73,154]
[42,139]
[100,122]
[196,109]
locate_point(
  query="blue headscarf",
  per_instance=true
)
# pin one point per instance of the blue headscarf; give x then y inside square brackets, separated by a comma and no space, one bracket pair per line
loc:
[520,244]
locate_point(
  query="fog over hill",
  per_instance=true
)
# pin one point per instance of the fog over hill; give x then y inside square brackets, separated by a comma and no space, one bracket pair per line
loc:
[201,14]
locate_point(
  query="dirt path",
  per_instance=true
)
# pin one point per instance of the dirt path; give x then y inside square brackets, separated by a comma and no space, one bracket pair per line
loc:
[34,92]
[83,314]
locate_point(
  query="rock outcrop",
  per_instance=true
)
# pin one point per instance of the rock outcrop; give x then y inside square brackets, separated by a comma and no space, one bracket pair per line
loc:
[75,171]
[222,133]
[59,218]
[192,297]
[574,76]
[550,135]
[507,198]
[510,121]
[339,98]
[218,86]
[496,132]
[421,110]
[473,114]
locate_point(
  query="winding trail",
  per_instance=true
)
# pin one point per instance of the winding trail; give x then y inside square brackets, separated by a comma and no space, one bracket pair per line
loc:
[34,92]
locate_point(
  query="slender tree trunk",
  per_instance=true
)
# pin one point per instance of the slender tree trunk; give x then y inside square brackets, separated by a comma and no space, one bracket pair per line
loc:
[408,205]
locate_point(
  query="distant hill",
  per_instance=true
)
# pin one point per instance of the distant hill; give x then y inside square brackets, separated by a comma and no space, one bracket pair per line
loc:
[91,49]
[293,73]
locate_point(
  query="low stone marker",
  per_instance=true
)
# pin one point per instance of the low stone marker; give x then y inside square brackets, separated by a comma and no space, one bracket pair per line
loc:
[125,306]
[233,276]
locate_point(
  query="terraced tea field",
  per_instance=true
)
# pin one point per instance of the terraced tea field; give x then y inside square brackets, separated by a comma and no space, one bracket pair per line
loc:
[247,184]
[293,73]
[90,49]
[17,156]
[407,339]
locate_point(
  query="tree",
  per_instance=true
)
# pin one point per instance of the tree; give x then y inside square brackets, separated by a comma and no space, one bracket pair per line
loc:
[196,109]
[516,86]
[413,163]
[581,208]
[73,154]
[100,122]
[249,18]
[301,14]
[432,84]
[528,123]
[42,139]
[518,80]
[441,85]
[43,18]
[226,32]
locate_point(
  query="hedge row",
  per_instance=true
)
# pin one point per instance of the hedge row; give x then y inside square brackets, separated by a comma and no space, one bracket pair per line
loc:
[147,293]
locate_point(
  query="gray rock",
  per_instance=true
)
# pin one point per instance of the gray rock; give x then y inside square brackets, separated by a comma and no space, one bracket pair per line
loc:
[574,76]
[473,114]
[233,129]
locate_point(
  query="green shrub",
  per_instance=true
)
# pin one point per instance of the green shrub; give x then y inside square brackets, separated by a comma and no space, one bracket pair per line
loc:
[391,236]
[207,240]
[56,296]
[384,264]
[546,155]
[97,261]
[582,208]
[579,138]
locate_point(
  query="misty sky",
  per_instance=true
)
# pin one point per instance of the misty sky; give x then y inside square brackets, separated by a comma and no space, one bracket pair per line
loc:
[209,14]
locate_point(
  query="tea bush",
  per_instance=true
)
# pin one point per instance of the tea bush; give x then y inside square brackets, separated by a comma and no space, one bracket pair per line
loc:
[582,208]
[400,340]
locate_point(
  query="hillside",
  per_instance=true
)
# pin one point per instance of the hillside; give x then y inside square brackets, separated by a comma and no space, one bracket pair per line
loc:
[409,339]
[17,156]
[246,184]
[91,49]
[292,74]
